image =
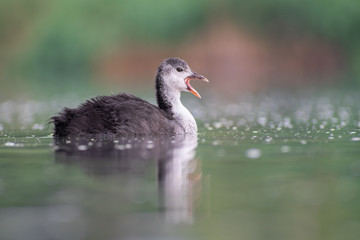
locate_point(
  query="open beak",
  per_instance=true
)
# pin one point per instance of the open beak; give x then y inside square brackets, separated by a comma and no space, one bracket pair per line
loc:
[196,76]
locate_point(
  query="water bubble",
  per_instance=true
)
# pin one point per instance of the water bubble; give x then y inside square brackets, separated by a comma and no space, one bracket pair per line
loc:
[13,144]
[119,147]
[150,144]
[262,121]
[303,142]
[253,153]
[9,144]
[128,146]
[285,149]
[268,139]
[355,139]
[37,126]
[287,123]
[82,147]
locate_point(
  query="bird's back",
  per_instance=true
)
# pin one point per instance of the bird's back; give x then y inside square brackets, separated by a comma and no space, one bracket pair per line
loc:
[121,114]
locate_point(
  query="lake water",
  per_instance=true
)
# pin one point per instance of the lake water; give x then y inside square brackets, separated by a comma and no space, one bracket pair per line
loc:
[280,166]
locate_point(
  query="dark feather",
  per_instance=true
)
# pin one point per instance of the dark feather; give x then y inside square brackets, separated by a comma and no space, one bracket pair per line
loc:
[122,114]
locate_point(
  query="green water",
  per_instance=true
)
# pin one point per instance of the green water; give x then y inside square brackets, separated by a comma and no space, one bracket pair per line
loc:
[278,167]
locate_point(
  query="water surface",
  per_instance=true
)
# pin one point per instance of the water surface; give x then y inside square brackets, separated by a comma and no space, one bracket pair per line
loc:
[263,167]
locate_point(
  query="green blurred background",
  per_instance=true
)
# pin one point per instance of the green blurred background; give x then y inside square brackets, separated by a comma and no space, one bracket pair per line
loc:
[52,47]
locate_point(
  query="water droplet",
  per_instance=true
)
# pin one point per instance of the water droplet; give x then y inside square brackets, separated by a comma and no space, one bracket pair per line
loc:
[82,147]
[285,149]
[217,124]
[150,144]
[9,144]
[262,121]
[37,126]
[287,123]
[253,153]
[13,144]
[119,147]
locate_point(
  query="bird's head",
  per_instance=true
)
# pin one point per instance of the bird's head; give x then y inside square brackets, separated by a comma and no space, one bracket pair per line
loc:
[176,75]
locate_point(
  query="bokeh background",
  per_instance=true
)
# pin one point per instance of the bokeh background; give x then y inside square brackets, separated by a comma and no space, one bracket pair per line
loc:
[52,47]
[279,123]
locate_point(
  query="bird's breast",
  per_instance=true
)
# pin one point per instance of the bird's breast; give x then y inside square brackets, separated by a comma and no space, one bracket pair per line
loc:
[185,121]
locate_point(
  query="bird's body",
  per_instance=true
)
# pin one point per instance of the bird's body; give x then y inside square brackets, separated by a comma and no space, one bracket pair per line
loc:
[125,114]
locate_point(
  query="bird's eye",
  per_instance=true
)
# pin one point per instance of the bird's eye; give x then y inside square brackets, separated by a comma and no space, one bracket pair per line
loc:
[179,69]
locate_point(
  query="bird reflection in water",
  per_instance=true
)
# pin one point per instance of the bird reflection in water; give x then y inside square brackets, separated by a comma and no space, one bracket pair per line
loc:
[178,171]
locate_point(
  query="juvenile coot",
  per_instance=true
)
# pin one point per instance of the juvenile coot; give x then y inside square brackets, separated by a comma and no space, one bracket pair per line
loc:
[125,114]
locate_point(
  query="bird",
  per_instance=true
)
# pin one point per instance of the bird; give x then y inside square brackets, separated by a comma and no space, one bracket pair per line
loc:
[127,115]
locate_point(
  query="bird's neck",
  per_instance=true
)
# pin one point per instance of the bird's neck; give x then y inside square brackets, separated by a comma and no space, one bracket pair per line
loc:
[169,100]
